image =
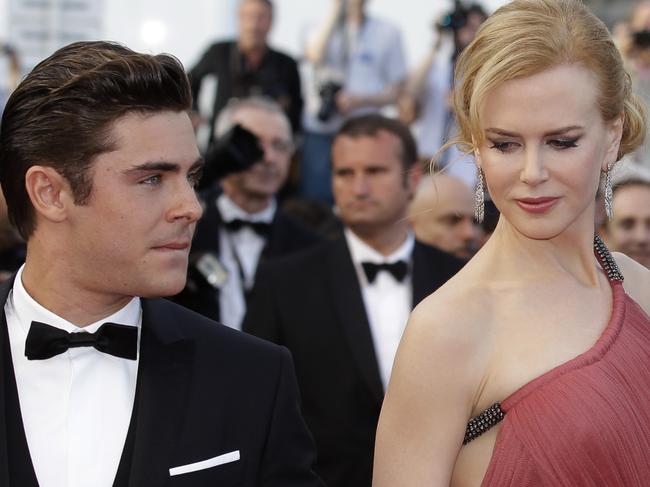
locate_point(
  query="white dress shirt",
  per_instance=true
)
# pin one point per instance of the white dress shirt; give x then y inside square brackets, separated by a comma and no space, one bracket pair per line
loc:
[76,406]
[387,301]
[239,253]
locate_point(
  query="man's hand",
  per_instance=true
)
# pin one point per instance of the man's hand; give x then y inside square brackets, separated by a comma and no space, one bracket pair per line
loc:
[347,102]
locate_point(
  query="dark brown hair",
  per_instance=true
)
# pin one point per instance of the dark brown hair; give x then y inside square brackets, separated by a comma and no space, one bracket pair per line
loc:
[61,115]
[370,125]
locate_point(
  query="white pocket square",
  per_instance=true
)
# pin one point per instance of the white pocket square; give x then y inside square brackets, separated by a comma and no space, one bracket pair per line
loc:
[230,457]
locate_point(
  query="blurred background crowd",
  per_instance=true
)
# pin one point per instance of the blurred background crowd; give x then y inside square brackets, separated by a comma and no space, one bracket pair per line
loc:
[324,62]
[287,98]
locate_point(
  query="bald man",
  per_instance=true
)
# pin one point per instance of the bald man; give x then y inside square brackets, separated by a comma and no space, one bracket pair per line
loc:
[442,215]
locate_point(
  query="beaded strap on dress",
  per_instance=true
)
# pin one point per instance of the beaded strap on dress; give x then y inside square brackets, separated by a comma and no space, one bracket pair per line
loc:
[494,414]
[606,260]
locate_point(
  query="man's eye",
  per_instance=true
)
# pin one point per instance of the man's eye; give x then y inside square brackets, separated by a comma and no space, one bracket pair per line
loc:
[283,146]
[152,180]
[194,177]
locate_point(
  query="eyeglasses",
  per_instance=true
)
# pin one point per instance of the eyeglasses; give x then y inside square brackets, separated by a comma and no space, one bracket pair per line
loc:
[278,145]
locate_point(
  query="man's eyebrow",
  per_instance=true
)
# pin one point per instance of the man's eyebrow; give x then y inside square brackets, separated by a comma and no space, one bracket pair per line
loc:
[163,166]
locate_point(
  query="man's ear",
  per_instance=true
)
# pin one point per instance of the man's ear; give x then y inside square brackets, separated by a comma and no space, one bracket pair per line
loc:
[49,192]
[413,177]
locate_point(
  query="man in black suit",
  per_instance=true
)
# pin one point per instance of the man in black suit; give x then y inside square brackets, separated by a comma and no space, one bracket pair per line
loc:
[341,307]
[242,223]
[102,383]
[248,65]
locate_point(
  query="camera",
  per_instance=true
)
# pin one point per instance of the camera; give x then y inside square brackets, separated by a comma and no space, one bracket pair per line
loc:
[327,94]
[457,18]
[641,39]
[235,151]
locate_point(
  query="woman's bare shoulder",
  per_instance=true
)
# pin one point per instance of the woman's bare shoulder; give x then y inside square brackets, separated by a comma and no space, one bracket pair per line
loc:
[636,280]
[453,319]
[437,371]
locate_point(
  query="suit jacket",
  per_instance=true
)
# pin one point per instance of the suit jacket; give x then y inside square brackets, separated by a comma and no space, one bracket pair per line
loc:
[277,77]
[287,236]
[311,303]
[203,390]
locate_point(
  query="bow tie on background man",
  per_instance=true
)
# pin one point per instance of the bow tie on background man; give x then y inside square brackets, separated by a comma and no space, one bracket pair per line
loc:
[261,228]
[398,269]
[45,341]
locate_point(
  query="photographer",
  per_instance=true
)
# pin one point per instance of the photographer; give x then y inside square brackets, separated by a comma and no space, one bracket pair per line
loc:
[241,223]
[634,44]
[357,66]
[425,101]
[248,66]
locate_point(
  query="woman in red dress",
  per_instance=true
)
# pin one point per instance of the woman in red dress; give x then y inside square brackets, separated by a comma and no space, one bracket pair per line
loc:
[531,367]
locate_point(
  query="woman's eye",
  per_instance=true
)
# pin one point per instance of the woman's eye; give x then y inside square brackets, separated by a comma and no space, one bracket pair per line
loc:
[502,146]
[563,143]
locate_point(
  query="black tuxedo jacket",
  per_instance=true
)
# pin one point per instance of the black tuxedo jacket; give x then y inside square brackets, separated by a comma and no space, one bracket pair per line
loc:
[287,236]
[311,303]
[203,390]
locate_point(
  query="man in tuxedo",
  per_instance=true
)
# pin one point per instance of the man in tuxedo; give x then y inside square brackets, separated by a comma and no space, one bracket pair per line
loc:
[341,307]
[103,383]
[242,223]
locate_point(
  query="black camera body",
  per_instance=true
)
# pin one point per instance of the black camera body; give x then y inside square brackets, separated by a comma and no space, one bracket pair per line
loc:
[327,94]
[641,39]
[235,151]
[456,19]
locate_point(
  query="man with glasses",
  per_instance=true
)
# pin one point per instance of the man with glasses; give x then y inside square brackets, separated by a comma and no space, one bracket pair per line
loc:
[242,224]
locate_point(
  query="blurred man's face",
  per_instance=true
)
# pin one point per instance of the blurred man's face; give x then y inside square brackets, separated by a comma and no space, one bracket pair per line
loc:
[370,186]
[266,177]
[255,19]
[356,6]
[442,215]
[629,230]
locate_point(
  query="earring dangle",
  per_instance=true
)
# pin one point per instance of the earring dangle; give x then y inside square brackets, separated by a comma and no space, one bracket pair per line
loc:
[479,198]
[609,209]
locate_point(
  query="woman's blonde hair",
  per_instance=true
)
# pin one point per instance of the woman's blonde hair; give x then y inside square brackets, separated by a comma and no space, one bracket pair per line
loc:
[526,37]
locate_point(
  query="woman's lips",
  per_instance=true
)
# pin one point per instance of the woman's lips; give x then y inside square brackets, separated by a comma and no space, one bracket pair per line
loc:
[537,205]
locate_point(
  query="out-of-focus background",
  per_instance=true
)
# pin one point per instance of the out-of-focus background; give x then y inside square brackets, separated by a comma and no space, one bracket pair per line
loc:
[184,28]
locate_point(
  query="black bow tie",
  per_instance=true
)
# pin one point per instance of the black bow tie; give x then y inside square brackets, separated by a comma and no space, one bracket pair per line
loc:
[45,341]
[398,269]
[261,228]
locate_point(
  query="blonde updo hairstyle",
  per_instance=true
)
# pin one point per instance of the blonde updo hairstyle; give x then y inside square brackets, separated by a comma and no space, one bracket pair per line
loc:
[526,37]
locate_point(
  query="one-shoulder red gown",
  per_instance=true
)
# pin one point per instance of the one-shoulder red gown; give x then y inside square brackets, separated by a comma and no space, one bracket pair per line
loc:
[586,422]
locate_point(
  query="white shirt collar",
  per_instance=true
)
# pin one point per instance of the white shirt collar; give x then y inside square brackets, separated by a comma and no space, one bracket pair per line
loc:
[362,252]
[230,211]
[28,310]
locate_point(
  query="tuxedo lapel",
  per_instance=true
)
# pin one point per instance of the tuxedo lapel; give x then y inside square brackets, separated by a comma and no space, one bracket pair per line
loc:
[426,277]
[207,230]
[422,275]
[15,460]
[163,376]
[4,347]
[277,236]
[344,285]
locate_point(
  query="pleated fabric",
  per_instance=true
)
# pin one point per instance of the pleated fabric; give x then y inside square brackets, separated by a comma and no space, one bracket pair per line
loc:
[585,423]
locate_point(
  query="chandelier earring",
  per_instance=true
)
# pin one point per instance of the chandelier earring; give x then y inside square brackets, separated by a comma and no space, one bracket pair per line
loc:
[609,194]
[479,197]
